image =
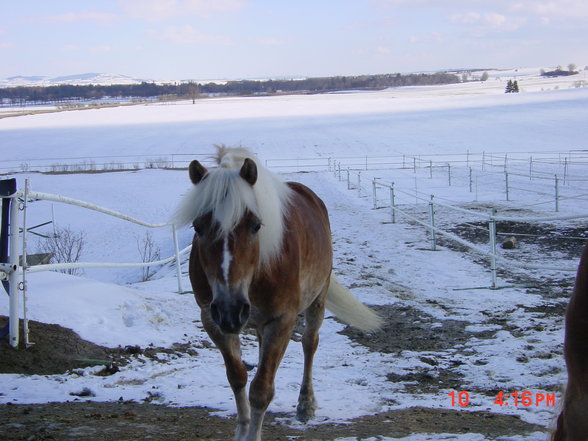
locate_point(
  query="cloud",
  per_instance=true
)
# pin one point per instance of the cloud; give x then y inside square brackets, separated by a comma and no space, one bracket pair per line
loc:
[187,34]
[101,18]
[160,10]
[489,21]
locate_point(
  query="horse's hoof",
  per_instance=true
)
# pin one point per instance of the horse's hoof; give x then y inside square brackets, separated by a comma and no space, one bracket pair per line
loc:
[305,412]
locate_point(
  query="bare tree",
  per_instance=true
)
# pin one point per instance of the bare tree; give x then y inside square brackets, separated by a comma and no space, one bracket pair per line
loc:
[193,91]
[66,246]
[149,252]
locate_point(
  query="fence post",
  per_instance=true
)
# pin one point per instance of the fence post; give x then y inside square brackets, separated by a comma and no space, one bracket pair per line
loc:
[506,185]
[530,168]
[392,204]
[25,265]
[375,192]
[556,194]
[178,261]
[348,181]
[470,179]
[449,173]
[339,170]
[492,231]
[430,169]
[359,183]
[483,159]
[432,220]
[13,332]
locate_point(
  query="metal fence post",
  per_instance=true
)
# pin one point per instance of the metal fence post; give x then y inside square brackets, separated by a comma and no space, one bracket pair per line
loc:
[506,185]
[492,232]
[430,169]
[432,220]
[556,194]
[348,180]
[392,204]
[359,183]
[178,260]
[14,318]
[375,193]
[23,285]
[471,180]
[449,173]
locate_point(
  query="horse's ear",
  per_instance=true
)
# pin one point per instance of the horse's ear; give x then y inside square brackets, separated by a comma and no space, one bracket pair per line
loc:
[197,172]
[249,171]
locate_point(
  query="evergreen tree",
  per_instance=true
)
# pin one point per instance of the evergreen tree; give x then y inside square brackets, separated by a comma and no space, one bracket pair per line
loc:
[508,87]
[515,87]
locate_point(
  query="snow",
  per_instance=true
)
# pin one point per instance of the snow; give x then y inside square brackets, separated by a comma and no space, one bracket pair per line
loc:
[384,263]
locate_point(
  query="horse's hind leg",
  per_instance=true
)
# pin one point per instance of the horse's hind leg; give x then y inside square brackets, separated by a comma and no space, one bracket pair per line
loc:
[230,348]
[314,318]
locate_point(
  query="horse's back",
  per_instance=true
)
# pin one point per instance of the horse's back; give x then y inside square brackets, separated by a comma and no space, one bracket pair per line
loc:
[308,224]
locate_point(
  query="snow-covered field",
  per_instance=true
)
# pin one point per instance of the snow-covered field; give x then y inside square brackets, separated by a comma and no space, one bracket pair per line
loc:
[384,263]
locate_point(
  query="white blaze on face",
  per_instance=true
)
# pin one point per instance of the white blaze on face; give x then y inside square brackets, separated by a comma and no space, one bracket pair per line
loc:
[227,257]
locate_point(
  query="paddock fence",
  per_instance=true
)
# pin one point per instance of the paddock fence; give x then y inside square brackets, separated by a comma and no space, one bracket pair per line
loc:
[529,163]
[553,179]
[413,205]
[14,272]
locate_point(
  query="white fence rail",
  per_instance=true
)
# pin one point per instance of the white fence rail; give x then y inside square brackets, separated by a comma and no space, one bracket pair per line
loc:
[18,269]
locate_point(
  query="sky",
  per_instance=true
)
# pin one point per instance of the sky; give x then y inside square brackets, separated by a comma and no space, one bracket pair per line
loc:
[236,39]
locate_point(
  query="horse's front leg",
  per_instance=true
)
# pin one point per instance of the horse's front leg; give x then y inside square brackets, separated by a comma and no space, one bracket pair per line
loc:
[273,343]
[230,347]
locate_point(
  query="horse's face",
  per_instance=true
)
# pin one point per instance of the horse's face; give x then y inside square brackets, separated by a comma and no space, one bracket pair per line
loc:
[229,260]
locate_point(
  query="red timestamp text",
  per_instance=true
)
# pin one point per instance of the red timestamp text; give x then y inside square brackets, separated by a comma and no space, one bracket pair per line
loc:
[512,399]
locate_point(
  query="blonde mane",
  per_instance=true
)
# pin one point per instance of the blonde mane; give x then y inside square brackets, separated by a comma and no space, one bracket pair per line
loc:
[228,196]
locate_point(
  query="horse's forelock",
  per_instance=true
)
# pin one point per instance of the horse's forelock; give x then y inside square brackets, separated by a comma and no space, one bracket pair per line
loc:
[228,197]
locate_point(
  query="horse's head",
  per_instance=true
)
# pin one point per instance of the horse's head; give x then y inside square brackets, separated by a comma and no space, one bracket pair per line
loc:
[227,228]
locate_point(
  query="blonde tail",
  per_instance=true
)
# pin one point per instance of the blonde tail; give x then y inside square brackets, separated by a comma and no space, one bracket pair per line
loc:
[341,302]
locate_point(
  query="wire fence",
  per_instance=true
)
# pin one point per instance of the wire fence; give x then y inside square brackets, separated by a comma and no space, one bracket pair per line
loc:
[402,201]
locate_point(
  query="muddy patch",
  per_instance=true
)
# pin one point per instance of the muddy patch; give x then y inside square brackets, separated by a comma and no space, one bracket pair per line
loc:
[408,329]
[125,420]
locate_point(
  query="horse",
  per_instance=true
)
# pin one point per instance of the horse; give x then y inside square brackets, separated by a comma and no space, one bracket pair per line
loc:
[262,254]
[572,423]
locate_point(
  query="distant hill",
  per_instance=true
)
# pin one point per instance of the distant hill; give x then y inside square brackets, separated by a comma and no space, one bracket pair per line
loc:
[99,79]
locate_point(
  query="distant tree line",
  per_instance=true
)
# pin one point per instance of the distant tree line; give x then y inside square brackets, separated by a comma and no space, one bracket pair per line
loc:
[559,72]
[193,90]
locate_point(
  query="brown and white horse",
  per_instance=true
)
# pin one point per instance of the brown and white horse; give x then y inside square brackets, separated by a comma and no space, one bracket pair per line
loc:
[261,255]
[572,424]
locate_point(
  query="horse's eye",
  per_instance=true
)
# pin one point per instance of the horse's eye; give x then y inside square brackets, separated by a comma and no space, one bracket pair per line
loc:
[198,227]
[255,227]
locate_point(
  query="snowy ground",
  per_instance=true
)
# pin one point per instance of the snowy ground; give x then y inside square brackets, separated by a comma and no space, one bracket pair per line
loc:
[384,263]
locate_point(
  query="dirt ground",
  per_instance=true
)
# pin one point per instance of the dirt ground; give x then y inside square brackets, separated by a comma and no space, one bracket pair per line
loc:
[58,349]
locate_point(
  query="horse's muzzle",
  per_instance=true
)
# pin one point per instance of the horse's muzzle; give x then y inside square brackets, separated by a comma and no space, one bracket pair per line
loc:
[230,314]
